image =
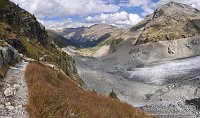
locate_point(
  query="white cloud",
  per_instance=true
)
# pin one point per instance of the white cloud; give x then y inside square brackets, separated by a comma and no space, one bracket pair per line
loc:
[146,5]
[56,24]
[118,19]
[63,8]
[121,19]
[193,3]
[78,24]
[68,23]
[118,2]
[134,18]
[136,3]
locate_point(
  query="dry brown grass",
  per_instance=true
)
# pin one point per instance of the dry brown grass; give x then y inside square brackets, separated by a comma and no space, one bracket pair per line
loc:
[3,70]
[54,95]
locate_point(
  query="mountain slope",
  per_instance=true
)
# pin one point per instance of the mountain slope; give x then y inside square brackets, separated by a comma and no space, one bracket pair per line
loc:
[90,36]
[58,39]
[170,21]
[21,22]
[22,31]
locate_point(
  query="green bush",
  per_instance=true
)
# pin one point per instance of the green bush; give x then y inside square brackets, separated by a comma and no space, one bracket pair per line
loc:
[93,91]
[113,95]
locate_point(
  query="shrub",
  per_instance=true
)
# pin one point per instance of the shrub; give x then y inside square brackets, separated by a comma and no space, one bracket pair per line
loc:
[93,91]
[113,95]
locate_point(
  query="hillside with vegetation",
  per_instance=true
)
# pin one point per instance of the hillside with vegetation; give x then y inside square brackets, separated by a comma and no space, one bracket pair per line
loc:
[22,31]
[54,87]
[59,40]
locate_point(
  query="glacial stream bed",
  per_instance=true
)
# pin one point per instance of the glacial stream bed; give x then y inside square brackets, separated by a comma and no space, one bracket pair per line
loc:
[160,89]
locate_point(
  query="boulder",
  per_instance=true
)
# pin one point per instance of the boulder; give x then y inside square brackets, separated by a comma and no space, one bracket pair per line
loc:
[8,92]
[10,107]
[1,106]
[8,54]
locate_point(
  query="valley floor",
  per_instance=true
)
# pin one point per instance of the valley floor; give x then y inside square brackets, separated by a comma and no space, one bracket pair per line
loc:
[176,81]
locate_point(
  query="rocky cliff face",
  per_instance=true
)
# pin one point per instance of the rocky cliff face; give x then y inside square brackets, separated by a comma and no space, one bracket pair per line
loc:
[21,22]
[90,36]
[169,22]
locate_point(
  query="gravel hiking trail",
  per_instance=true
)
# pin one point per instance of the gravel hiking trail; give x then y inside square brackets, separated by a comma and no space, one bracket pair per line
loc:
[14,92]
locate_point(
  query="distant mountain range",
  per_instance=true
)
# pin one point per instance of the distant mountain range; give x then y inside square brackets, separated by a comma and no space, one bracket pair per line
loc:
[84,37]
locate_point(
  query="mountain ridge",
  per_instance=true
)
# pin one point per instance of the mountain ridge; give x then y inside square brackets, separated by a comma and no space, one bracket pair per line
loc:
[168,22]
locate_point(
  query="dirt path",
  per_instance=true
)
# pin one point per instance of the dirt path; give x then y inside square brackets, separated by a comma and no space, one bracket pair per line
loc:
[13,93]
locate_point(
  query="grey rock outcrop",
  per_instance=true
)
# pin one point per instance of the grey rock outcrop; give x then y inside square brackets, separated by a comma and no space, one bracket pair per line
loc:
[8,54]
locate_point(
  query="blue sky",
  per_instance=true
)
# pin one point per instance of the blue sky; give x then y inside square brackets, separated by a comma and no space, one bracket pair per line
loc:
[58,14]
